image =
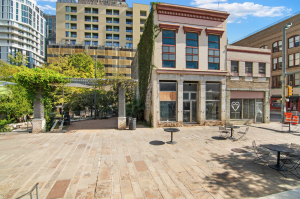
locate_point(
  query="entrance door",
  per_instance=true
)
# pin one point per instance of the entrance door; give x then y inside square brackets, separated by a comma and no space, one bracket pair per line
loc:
[190,103]
[259,109]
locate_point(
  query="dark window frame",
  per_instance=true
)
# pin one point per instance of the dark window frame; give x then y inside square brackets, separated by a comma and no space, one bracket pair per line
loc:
[233,71]
[169,53]
[259,68]
[248,74]
[277,47]
[294,60]
[294,41]
[186,54]
[214,51]
[278,83]
[277,64]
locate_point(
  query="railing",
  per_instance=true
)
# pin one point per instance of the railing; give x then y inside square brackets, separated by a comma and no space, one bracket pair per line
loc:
[108,29]
[31,192]
[116,38]
[116,30]
[127,38]
[87,28]
[108,21]
[127,22]
[87,19]
[129,15]
[116,21]
[108,13]
[108,37]
[95,28]
[95,20]
[128,30]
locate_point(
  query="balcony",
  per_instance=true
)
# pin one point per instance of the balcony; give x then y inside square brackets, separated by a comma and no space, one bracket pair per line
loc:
[95,28]
[95,11]
[95,20]
[116,21]
[73,27]
[88,36]
[108,21]
[73,35]
[88,11]
[87,28]
[128,15]
[73,10]
[95,37]
[129,22]
[116,38]
[116,30]
[108,37]
[108,13]
[129,38]
[108,29]
[73,19]
[128,30]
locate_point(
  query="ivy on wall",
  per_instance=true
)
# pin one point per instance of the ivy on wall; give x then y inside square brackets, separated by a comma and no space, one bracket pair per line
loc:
[145,54]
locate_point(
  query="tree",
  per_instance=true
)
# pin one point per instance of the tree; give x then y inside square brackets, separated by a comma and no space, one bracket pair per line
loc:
[4,91]
[18,60]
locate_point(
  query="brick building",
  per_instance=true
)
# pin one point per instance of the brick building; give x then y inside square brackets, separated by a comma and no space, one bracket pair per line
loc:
[271,38]
[193,83]
[247,85]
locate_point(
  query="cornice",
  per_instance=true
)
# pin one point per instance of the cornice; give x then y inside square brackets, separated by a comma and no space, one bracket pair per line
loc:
[192,72]
[197,13]
[169,26]
[248,51]
[214,31]
[192,29]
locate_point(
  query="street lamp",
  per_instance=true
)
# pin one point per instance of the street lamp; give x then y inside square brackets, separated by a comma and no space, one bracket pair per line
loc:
[283,109]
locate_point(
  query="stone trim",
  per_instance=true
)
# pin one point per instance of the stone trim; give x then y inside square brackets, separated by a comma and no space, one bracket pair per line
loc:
[184,11]
[246,89]
[248,60]
[183,72]
[169,26]
[192,29]
[214,31]
[248,51]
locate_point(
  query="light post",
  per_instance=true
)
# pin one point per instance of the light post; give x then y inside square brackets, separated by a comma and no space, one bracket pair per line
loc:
[283,109]
[95,83]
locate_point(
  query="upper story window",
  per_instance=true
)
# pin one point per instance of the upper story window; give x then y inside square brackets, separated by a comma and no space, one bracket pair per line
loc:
[234,68]
[95,11]
[67,17]
[276,83]
[116,12]
[277,46]
[264,47]
[277,63]
[88,10]
[294,41]
[191,50]
[143,13]
[248,68]
[109,12]
[73,9]
[129,13]
[262,69]
[294,59]
[67,9]
[214,52]
[169,48]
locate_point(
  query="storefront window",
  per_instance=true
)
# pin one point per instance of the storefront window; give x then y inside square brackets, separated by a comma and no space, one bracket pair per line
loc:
[248,109]
[235,109]
[213,101]
[168,101]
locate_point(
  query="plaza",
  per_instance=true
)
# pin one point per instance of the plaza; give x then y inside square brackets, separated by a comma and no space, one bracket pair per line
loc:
[88,161]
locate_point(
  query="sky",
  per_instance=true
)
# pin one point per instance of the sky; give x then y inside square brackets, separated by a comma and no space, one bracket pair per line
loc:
[245,17]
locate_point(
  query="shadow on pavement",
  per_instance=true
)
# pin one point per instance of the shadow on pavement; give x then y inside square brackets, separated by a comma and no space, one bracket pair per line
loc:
[157,142]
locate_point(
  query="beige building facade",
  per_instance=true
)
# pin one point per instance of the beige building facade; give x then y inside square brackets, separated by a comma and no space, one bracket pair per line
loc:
[271,38]
[111,24]
[248,85]
[193,82]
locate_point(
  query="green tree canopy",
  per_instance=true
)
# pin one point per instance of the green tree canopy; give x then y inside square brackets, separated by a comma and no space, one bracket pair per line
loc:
[18,60]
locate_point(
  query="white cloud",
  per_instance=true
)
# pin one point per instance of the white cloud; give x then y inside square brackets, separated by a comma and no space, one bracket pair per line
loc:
[242,10]
[46,7]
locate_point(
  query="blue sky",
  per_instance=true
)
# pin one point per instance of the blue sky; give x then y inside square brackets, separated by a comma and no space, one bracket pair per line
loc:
[245,16]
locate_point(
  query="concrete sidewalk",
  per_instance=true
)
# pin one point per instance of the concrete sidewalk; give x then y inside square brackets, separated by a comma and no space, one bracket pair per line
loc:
[88,162]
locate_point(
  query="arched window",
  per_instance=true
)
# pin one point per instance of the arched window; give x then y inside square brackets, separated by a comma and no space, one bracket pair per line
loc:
[264,47]
[277,46]
[294,41]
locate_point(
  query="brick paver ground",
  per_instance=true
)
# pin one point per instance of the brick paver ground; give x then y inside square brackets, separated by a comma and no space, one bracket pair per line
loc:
[110,163]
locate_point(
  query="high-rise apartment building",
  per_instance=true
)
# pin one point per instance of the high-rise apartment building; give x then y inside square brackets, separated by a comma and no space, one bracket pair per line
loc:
[51,29]
[271,38]
[22,29]
[109,23]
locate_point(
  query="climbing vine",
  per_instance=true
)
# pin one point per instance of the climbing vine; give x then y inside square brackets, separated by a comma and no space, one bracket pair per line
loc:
[145,52]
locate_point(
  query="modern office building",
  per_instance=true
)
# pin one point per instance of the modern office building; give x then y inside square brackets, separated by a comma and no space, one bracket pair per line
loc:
[271,38]
[114,59]
[109,23]
[22,29]
[51,28]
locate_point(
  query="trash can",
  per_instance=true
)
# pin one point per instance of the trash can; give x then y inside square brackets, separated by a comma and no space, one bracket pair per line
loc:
[128,120]
[132,124]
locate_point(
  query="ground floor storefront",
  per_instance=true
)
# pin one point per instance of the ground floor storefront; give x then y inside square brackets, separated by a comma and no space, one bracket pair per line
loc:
[293,103]
[244,107]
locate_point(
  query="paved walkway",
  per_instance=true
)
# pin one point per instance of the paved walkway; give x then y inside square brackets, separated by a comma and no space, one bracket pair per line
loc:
[123,164]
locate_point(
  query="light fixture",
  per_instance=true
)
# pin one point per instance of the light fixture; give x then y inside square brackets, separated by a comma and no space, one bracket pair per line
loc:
[288,25]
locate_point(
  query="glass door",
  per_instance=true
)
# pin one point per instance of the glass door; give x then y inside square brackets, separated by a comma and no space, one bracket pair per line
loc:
[190,103]
[259,109]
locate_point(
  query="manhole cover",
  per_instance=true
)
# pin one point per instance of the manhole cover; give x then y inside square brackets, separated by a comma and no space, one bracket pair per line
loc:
[238,150]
